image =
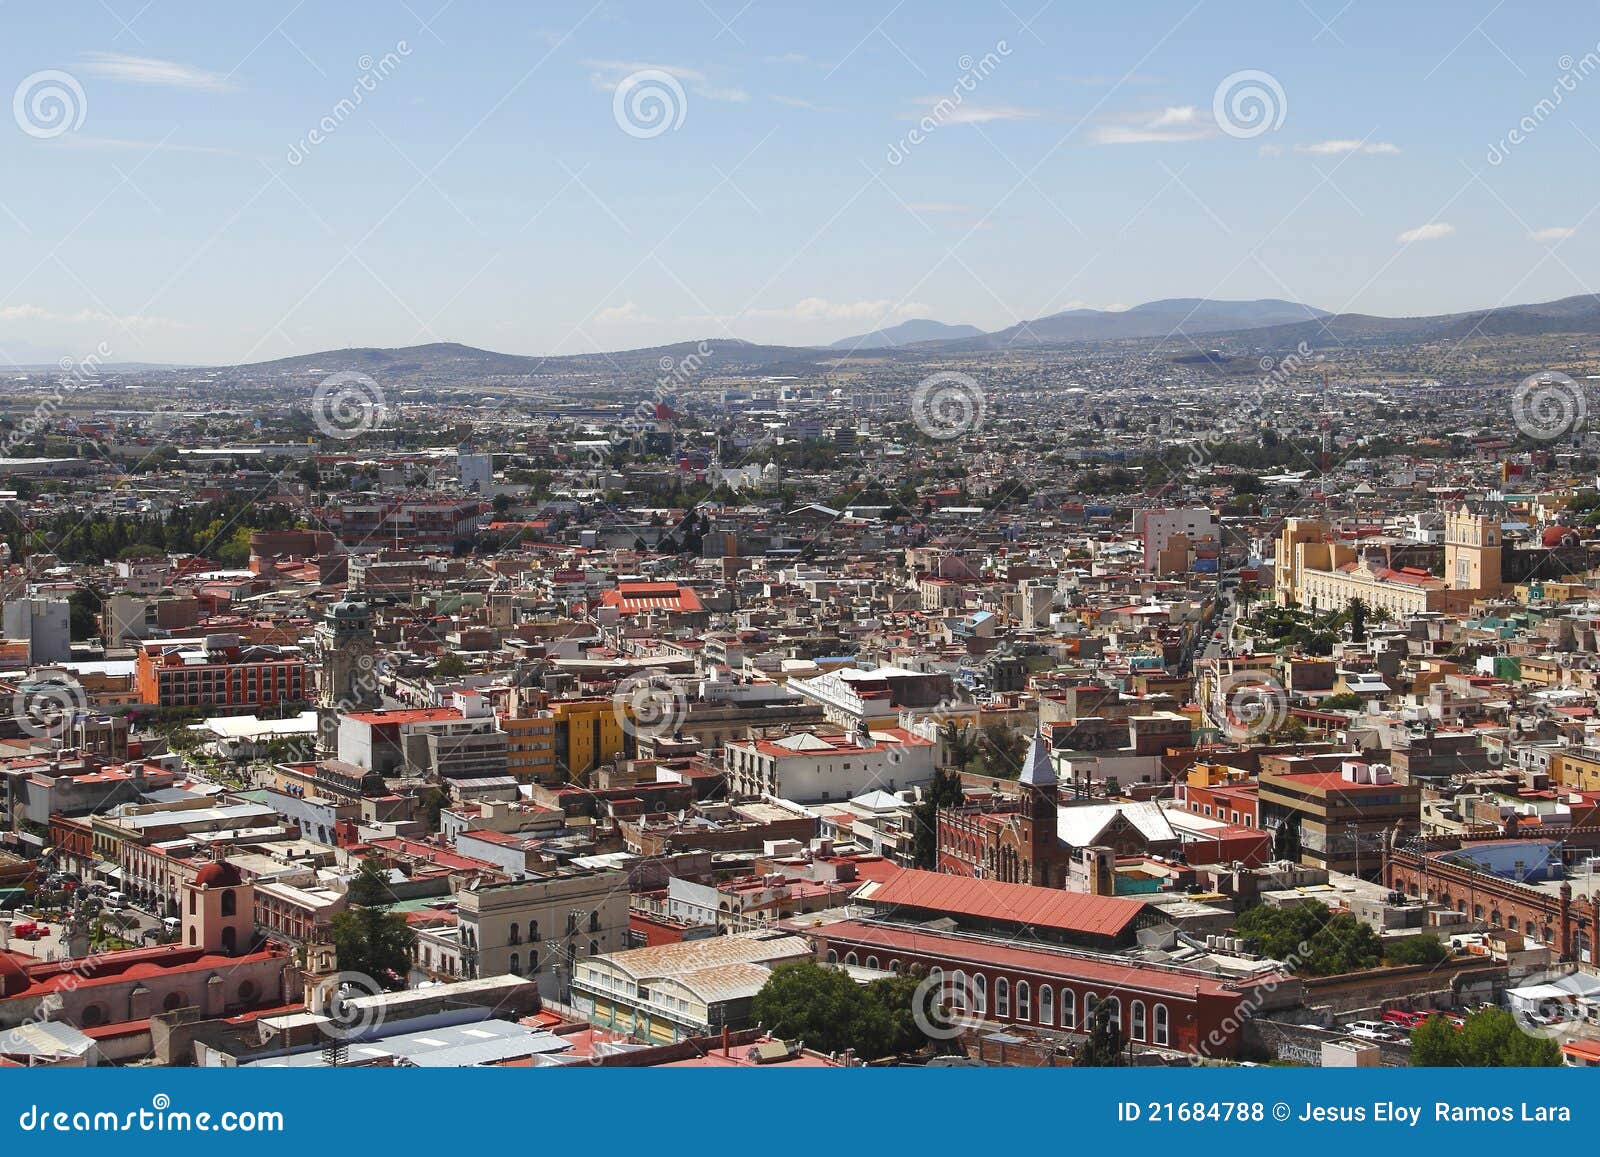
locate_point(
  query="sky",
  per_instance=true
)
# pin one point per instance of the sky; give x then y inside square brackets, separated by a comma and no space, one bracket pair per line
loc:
[186,187]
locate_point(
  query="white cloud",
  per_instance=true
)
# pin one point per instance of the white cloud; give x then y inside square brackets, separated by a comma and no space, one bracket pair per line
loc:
[36,315]
[1337,148]
[626,314]
[610,73]
[946,111]
[1159,126]
[148,70]
[1554,233]
[797,102]
[1429,232]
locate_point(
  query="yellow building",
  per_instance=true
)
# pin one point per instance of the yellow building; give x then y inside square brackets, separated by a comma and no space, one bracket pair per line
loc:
[1576,768]
[1472,548]
[530,743]
[587,732]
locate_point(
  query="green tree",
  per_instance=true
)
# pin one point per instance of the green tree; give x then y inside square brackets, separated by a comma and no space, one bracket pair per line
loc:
[1490,1038]
[944,792]
[824,1007]
[1311,938]
[1003,750]
[449,666]
[1422,949]
[1344,701]
[1103,1049]
[367,937]
[1357,610]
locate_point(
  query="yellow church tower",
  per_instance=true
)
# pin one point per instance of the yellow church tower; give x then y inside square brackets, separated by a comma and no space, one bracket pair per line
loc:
[1472,548]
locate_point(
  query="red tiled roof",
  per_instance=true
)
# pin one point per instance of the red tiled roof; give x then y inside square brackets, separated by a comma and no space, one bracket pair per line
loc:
[1108,972]
[1018,903]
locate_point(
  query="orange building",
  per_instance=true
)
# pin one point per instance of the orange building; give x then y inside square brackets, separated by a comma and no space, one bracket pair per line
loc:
[219,671]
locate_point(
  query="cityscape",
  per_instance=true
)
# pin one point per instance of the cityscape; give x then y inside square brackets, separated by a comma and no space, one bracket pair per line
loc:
[647,539]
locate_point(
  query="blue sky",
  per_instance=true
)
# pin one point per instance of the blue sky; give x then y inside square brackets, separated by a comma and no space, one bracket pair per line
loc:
[487,189]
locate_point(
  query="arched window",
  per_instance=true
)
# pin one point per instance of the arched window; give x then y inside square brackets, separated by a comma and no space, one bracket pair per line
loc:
[93,1016]
[980,992]
[958,990]
[833,957]
[1002,997]
[515,935]
[1047,1004]
[1136,1013]
[594,921]
[1160,1036]
[533,962]
[1089,1001]
[594,947]
[1024,1001]
[1116,1010]
[516,963]
[1069,1008]
[872,962]
[174,1000]
[230,903]
[850,959]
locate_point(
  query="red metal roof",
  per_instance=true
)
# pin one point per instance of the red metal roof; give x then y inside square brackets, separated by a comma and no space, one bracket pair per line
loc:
[1019,903]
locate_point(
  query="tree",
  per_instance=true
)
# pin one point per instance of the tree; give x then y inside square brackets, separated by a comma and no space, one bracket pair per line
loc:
[449,666]
[1103,1049]
[944,792]
[1490,1038]
[367,937]
[1344,701]
[821,1005]
[1311,938]
[1357,611]
[1002,751]
[1422,949]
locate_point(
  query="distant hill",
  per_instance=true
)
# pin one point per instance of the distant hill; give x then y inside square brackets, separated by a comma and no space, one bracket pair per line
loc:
[1568,315]
[907,333]
[1176,316]
[1266,324]
[452,362]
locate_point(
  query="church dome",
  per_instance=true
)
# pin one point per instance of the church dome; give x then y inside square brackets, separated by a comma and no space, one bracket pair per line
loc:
[218,874]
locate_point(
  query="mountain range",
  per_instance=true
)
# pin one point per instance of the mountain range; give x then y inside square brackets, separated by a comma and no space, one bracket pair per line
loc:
[1265,325]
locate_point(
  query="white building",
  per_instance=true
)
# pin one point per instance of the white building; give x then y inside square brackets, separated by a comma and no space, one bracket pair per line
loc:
[814,768]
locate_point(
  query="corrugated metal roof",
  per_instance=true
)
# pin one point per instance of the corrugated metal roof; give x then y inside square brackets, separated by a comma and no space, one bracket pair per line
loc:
[1017,903]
